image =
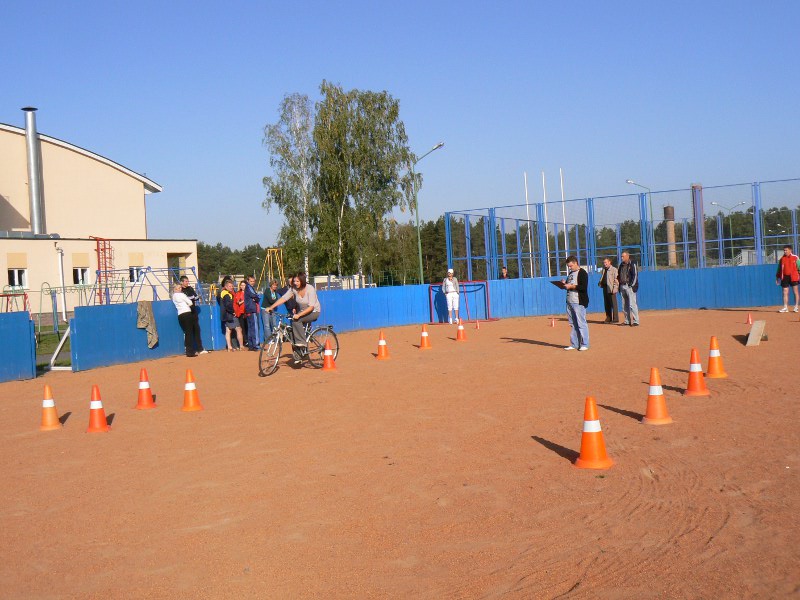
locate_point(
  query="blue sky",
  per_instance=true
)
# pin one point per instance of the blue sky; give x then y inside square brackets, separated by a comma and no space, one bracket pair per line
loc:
[668,94]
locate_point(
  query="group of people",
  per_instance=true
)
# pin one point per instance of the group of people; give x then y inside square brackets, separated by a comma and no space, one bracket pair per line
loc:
[240,310]
[623,280]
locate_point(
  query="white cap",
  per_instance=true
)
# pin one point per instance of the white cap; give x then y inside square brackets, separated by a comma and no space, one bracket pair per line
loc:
[449,271]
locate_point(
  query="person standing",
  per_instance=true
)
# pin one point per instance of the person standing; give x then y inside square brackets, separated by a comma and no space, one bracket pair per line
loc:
[450,290]
[187,321]
[788,276]
[227,316]
[628,278]
[238,308]
[504,273]
[195,298]
[577,286]
[252,309]
[610,287]
[269,297]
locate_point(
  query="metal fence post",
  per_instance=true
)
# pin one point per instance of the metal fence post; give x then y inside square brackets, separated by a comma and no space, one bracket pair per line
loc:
[448,240]
[490,241]
[685,243]
[468,237]
[720,244]
[591,241]
[699,225]
[759,235]
[519,250]
[541,226]
[644,231]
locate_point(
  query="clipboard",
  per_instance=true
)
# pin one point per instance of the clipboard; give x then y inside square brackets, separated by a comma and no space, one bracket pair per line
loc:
[559,284]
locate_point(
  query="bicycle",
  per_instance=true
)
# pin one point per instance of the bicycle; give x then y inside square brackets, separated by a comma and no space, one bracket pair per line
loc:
[314,352]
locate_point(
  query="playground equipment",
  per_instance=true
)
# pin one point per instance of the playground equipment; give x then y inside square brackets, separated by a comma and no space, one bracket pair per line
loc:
[14,299]
[272,267]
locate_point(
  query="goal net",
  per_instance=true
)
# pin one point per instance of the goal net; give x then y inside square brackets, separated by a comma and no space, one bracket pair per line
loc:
[473,302]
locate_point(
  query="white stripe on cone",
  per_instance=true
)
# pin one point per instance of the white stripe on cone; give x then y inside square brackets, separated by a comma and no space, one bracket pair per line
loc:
[591,426]
[328,352]
[656,390]
[695,368]
[424,334]
[48,403]
[381,342]
[144,385]
[190,386]
[95,404]
[713,352]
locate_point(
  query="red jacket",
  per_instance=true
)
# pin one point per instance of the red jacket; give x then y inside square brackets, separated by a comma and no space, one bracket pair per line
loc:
[238,304]
[787,267]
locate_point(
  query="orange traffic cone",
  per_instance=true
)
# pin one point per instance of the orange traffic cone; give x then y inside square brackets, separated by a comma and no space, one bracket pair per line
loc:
[191,400]
[697,383]
[749,319]
[145,394]
[424,343]
[715,368]
[593,447]
[383,349]
[461,335]
[97,416]
[656,413]
[328,364]
[50,420]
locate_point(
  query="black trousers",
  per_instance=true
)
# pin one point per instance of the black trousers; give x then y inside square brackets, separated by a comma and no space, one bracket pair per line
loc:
[190,324]
[610,301]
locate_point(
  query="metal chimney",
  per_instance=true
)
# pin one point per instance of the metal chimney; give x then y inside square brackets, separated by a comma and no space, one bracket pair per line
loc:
[35,181]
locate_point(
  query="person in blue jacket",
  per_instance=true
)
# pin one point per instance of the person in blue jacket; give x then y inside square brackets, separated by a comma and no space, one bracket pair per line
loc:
[252,309]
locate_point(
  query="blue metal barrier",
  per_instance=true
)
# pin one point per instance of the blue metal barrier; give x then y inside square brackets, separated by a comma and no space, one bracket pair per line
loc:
[18,350]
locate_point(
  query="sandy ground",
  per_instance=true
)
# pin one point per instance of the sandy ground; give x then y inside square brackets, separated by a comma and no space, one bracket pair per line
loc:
[439,474]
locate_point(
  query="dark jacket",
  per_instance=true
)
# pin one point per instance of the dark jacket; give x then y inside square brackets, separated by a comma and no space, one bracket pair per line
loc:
[251,300]
[583,288]
[633,275]
[291,303]
[226,313]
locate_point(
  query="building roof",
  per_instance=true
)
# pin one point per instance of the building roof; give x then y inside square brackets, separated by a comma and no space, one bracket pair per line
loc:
[150,186]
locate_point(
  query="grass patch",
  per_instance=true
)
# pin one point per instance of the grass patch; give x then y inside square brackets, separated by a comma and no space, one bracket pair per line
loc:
[47,345]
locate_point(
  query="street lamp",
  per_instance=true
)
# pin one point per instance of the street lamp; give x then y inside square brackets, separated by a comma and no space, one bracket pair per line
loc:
[652,223]
[416,207]
[730,222]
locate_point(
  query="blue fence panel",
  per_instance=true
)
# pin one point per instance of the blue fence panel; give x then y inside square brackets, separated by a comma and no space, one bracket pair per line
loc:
[18,350]
[349,310]
[107,334]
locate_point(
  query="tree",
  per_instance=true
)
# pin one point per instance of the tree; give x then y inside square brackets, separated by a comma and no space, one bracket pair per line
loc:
[293,187]
[362,150]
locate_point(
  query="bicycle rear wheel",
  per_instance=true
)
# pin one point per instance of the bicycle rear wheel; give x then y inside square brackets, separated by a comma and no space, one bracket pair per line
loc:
[269,355]
[316,345]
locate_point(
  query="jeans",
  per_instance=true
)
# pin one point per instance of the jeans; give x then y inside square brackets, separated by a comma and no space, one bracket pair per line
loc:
[270,322]
[252,330]
[629,308]
[579,334]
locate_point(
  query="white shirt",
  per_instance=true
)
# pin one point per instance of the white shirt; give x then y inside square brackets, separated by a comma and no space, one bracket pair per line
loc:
[181,302]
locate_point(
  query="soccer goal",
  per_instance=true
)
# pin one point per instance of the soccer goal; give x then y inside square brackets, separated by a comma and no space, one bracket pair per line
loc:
[473,302]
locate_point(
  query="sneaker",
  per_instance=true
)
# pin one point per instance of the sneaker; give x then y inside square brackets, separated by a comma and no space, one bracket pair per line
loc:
[634,324]
[784,309]
[450,321]
[796,309]
[583,348]
[203,351]
[570,348]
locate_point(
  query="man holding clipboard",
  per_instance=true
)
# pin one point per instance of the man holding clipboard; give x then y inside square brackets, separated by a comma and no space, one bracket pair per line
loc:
[576,284]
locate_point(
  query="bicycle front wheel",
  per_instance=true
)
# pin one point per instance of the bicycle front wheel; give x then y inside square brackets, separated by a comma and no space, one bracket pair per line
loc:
[269,355]
[316,345]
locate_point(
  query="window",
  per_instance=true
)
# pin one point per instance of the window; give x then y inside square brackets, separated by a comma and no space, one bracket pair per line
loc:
[18,277]
[135,273]
[80,276]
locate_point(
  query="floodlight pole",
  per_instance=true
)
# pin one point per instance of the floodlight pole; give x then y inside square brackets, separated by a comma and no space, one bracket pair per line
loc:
[416,208]
[652,222]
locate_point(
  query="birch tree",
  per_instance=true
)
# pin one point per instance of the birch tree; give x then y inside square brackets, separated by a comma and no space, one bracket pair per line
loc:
[292,188]
[364,164]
